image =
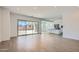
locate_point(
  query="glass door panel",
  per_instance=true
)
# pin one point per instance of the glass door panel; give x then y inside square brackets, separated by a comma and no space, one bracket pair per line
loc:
[27,27]
[21,27]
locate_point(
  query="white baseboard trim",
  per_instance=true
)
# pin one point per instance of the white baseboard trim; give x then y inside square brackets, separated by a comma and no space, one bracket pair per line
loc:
[4,40]
[71,36]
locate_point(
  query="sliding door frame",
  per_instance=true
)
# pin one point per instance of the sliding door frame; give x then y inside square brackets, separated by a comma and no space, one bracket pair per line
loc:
[27,21]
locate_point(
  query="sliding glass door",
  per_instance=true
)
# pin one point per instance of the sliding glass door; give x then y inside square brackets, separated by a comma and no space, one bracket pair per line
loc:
[27,27]
[21,27]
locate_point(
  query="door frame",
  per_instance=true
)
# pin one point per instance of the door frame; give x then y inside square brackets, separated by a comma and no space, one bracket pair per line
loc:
[27,21]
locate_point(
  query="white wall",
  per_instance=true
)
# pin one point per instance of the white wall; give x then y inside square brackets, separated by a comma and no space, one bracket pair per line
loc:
[0,24]
[71,24]
[13,27]
[13,22]
[4,24]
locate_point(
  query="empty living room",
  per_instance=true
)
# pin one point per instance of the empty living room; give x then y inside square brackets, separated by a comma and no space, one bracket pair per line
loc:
[39,29]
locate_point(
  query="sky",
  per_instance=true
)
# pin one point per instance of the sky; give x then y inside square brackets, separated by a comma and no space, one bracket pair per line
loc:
[22,23]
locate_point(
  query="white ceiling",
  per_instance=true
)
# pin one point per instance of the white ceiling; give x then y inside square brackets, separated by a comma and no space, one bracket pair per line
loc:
[40,11]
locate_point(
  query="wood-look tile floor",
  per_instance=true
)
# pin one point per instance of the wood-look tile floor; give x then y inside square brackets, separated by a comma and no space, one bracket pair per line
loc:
[40,43]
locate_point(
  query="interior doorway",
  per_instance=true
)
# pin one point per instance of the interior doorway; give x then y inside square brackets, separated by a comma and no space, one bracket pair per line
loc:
[27,27]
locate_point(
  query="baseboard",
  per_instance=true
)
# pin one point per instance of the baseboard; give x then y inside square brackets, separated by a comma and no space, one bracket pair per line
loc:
[4,40]
[13,37]
[75,37]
